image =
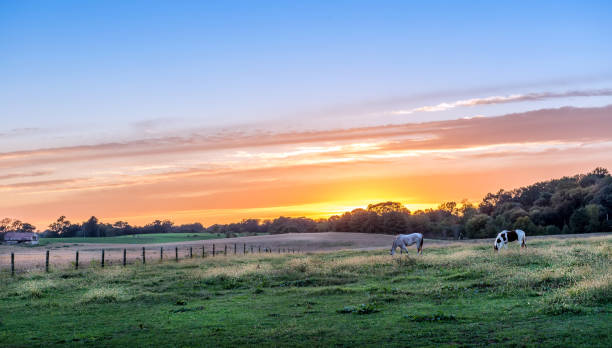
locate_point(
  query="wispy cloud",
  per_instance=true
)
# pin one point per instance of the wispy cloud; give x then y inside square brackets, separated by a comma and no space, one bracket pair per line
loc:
[513,98]
[23,174]
[568,124]
[42,183]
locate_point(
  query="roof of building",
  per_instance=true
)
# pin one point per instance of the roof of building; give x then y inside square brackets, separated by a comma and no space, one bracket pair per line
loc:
[20,236]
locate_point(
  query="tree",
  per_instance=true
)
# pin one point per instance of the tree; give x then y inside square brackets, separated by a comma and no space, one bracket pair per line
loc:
[394,222]
[159,226]
[16,225]
[387,207]
[5,225]
[600,172]
[250,225]
[467,211]
[60,226]
[450,207]
[552,229]
[90,227]
[120,225]
[579,221]
[364,221]
[595,216]
[476,227]
[524,223]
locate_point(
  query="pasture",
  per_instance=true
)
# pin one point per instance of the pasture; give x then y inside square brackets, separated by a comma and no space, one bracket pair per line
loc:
[557,292]
[152,238]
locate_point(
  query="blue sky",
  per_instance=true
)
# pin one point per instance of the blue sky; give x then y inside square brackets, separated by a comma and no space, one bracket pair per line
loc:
[113,64]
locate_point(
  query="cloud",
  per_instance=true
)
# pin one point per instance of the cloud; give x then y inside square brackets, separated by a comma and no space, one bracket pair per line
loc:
[513,98]
[218,149]
[42,183]
[23,174]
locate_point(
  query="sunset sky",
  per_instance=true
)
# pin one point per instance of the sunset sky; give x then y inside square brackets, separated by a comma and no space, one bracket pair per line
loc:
[215,112]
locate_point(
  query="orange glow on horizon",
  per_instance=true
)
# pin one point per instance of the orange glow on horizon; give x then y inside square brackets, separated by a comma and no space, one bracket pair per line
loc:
[312,174]
[221,216]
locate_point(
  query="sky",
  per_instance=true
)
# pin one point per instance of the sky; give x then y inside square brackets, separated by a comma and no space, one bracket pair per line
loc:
[219,111]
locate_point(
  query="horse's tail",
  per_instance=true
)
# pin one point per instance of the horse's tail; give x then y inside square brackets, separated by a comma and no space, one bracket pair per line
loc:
[393,246]
[421,245]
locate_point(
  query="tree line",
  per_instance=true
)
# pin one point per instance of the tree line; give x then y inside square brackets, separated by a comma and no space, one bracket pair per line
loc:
[577,204]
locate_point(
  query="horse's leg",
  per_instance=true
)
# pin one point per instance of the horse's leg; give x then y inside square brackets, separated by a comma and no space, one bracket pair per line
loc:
[403,247]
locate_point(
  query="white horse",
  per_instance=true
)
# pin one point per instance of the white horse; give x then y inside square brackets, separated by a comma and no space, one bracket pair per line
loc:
[504,237]
[404,240]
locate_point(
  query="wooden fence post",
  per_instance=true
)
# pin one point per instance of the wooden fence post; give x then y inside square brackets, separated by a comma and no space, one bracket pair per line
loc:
[251,249]
[175,253]
[47,261]
[244,248]
[259,249]
[225,252]
[190,252]
[144,258]
[124,257]
[12,264]
[76,260]
[234,248]
[102,262]
[203,251]
[213,251]
[161,254]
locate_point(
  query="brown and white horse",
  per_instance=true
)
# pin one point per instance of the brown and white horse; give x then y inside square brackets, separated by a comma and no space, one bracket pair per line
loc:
[404,240]
[504,237]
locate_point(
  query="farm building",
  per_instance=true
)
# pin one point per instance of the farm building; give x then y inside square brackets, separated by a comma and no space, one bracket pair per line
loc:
[20,237]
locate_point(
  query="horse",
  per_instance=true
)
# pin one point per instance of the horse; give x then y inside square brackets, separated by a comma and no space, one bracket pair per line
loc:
[504,237]
[404,240]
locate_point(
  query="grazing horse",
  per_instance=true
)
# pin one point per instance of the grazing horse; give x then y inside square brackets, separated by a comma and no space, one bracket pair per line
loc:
[404,240]
[504,237]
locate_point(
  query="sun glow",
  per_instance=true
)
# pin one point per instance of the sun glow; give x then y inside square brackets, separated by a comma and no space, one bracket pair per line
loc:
[313,211]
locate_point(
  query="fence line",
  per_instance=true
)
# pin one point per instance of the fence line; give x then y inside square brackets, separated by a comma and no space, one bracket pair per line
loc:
[105,256]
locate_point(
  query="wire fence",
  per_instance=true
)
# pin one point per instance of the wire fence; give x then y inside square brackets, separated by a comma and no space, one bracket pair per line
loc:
[49,260]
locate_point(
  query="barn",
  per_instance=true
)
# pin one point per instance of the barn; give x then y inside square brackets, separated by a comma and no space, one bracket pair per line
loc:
[21,237]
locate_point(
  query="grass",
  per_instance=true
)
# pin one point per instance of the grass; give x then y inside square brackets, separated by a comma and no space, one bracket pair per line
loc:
[152,238]
[555,293]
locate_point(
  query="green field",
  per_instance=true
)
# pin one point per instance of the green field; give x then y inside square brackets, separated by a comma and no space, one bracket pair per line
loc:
[152,238]
[555,293]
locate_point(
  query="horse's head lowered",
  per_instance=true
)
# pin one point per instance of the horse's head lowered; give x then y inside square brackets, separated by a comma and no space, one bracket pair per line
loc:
[498,243]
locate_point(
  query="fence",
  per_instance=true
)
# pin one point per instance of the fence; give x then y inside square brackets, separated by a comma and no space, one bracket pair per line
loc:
[124,256]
